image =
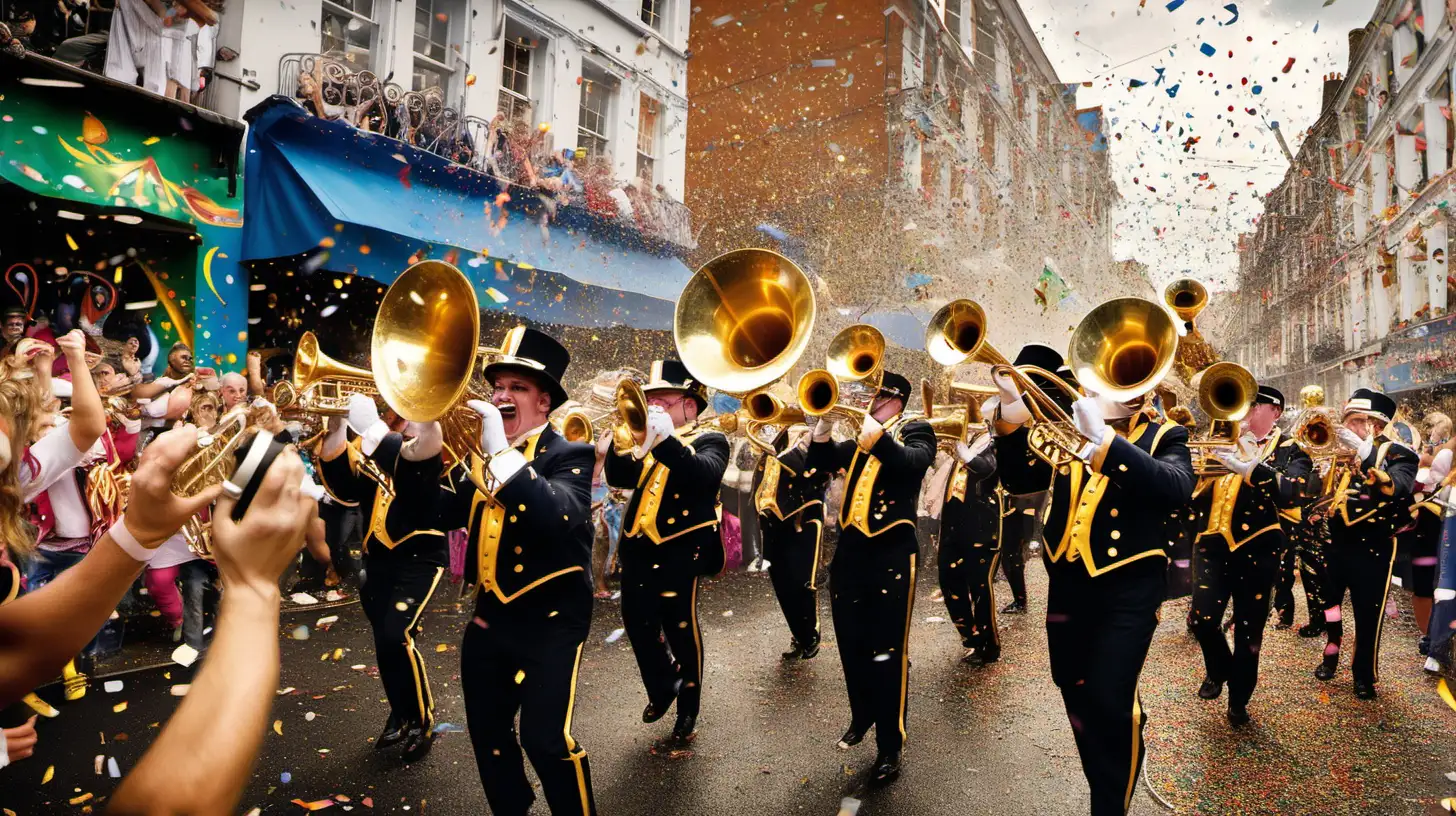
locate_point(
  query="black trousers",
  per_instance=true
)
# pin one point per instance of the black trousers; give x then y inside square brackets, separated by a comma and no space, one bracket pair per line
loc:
[872,595]
[523,657]
[395,592]
[1302,544]
[660,614]
[792,548]
[1021,524]
[1246,576]
[1098,634]
[966,566]
[1363,568]
[343,530]
[1421,544]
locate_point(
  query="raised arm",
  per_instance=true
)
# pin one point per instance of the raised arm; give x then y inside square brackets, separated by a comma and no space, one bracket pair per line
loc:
[88,415]
[704,460]
[913,454]
[1287,489]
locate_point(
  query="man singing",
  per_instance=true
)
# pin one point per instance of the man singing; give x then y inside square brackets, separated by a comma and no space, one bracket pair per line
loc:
[1107,561]
[872,578]
[669,540]
[399,480]
[1238,550]
[1367,501]
[790,504]
[527,504]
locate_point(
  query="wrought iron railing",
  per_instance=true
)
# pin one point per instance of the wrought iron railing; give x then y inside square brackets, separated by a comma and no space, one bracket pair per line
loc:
[503,148]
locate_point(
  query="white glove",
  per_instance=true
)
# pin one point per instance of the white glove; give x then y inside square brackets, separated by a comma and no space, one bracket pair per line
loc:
[823,429]
[428,439]
[1013,408]
[492,427]
[364,419]
[1352,440]
[965,453]
[870,432]
[659,427]
[311,490]
[1087,414]
[1230,459]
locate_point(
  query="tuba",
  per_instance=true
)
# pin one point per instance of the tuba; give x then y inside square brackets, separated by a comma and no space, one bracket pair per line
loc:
[321,385]
[212,463]
[847,385]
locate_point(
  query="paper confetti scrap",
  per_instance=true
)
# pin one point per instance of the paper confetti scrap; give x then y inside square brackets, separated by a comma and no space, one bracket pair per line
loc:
[616,635]
[113,686]
[119,707]
[49,774]
[316,805]
[184,655]
[278,727]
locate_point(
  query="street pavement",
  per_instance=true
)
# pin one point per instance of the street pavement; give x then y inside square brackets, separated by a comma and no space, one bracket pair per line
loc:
[992,740]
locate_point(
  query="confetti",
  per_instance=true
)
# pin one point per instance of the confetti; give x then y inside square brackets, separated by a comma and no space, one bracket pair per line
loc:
[278,727]
[315,805]
[112,769]
[181,689]
[184,655]
[119,707]
[303,599]
[1445,691]
[112,686]
[50,773]
[616,635]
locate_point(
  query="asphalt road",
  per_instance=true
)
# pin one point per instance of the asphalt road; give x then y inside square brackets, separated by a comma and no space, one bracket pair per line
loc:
[991,740]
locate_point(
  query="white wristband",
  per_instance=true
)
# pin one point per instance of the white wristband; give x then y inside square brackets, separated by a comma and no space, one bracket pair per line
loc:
[128,542]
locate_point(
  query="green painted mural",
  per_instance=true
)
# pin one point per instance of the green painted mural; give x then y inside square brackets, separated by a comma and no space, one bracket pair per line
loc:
[125,150]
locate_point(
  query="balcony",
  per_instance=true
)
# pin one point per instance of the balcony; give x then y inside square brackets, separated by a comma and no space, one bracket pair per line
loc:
[511,150]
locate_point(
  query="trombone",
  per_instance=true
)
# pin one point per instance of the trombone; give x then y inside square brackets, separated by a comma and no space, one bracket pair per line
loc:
[321,385]
[850,380]
[960,419]
[1226,391]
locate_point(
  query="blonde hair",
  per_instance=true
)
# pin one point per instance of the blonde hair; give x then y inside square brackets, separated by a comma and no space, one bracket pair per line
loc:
[21,404]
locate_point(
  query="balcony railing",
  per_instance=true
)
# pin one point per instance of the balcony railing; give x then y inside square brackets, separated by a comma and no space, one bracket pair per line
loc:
[509,149]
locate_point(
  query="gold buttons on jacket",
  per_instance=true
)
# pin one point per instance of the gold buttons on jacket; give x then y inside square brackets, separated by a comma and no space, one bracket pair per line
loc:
[1111,552]
[1115,535]
[1113,512]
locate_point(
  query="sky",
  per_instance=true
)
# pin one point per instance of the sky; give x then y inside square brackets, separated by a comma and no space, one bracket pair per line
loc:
[1185,203]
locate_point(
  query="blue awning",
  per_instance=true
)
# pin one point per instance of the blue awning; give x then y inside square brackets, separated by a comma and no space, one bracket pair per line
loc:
[373,203]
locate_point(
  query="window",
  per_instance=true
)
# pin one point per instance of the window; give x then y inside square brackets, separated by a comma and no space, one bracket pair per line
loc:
[953,20]
[647,110]
[434,63]
[515,90]
[349,31]
[597,90]
[652,13]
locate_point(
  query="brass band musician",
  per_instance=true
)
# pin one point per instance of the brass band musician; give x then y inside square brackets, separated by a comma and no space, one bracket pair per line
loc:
[790,504]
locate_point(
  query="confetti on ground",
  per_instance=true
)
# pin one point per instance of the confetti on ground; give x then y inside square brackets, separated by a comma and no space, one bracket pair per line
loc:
[119,707]
[323,624]
[1445,691]
[112,769]
[301,633]
[849,806]
[316,805]
[50,773]
[113,686]
[278,727]
[616,635]
[303,598]
[184,655]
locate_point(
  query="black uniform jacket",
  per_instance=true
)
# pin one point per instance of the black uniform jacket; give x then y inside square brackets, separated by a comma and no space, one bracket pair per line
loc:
[675,492]
[1114,510]
[396,524]
[882,487]
[1241,510]
[533,534]
[1373,502]
[788,486]
[972,508]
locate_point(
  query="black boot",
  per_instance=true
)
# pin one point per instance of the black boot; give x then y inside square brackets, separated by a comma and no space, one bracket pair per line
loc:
[853,736]
[655,711]
[684,729]
[1286,620]
[794,651]
[1365,691]
[1311,629]
[418,739]
[1014,608]
[392,734]
[1211,689]
[1238,716]
[810,652]
[887,768]
[1326,669]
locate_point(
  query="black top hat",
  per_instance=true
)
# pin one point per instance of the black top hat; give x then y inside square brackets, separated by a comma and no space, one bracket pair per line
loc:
[15,310]
[1370,402]
[1039,355]
[1269,395]
[672,375]
[537,354]
[895,385]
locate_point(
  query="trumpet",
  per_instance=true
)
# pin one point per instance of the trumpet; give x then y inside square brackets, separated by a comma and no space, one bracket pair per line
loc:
[320,384]
[211,464]
[848,384]
[959,420]
[1226,392]
[768,416]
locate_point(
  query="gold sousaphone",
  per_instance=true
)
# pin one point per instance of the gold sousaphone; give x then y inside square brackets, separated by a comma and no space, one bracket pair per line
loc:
[847,385]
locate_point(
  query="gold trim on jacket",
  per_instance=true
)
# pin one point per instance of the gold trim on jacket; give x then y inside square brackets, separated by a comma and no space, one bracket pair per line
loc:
[855,511]
[652,484]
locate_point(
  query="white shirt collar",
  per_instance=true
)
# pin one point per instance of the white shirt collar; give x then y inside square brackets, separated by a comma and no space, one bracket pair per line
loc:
[528,434]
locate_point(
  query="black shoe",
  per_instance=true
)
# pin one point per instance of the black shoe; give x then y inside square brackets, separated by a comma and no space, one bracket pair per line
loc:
[1311,629]
[981,657]
[794,651]
[656,711]
[1365,691]
[852,737]
[1423,646]
[810,652]
[392,734]
[684,729]
[1238,716]
[1325,671]
[418,740]
[1211,689]
[1014,608]
[887,768]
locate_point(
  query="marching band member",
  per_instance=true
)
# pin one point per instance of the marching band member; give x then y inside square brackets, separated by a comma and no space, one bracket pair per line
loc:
[1422,540]
[1237,553]
[403,561]
[872,578]
[790,504]
[970,532]
[1364,505]
[1106,558]
[527,504]
[669,540]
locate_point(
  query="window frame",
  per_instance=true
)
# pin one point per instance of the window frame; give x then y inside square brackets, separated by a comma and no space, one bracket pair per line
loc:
[644,102]
[598,77]
[338,9]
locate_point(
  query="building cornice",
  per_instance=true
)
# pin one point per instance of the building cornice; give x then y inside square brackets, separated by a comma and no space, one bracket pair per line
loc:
[538,18]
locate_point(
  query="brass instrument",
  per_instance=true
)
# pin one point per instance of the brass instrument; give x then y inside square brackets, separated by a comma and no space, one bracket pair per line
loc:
[576,425]
[629,415]
[848,384]
[1226,392]
[767,416]
[1187,297]
[211,464]
[959,419]
[1315,429]
[743,320]
[320,384]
